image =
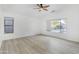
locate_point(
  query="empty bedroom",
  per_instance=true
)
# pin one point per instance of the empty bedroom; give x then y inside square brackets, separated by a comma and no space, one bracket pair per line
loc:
[39,28]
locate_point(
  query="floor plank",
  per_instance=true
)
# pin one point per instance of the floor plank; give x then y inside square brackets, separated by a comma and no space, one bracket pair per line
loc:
[38,44]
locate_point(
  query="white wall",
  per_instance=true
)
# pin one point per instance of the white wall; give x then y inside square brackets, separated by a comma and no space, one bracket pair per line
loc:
[71,15]
[24,25]
[0,28]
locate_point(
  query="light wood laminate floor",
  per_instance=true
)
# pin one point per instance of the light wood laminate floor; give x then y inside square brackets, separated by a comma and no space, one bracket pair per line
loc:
[38,45]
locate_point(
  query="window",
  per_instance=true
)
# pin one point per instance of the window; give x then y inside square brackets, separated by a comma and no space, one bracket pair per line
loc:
[8,24]
[56,25]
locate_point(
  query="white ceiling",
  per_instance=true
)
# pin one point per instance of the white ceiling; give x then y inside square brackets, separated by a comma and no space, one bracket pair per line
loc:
[28,9]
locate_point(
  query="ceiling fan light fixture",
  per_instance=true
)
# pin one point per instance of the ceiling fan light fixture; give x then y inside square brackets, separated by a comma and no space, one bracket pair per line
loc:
[42,7]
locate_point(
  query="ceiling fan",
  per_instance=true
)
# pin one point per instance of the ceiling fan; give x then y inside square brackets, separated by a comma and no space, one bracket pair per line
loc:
[42,7]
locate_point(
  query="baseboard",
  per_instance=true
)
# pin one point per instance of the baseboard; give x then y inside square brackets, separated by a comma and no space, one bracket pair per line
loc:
[59,38]
[17,37]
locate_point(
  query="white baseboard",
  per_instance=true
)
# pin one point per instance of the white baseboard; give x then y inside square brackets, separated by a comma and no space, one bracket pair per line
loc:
[15,37]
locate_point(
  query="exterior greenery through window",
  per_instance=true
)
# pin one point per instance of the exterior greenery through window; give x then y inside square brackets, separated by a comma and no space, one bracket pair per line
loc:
[56,25]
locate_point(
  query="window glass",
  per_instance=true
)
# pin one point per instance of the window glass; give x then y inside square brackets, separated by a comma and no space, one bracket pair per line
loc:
[8,24]
[56,25]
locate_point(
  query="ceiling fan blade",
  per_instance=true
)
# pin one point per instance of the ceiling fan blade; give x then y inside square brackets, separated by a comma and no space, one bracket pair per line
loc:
[45,6]
[45,9]
[38,5]
[42,7]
